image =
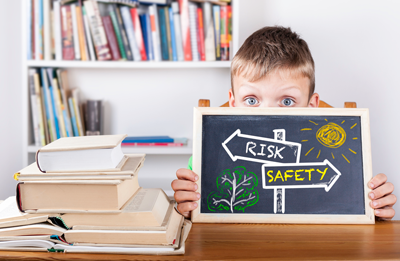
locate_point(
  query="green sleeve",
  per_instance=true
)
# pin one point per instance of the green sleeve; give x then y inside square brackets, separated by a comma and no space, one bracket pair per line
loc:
[190,163]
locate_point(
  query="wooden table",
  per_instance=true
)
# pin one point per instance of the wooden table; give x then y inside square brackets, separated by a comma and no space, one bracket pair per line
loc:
[262,241]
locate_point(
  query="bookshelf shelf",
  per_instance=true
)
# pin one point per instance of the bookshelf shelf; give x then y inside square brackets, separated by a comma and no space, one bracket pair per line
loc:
[127,65]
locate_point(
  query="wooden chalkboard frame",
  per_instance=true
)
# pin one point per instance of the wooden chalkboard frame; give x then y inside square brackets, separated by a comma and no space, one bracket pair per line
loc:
[367,218]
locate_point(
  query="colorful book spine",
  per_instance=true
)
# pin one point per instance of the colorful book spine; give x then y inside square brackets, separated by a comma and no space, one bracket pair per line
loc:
[129,55]
[200,39]
[29,27]
[230,31]
[57,30]
[153,144]
[55,114]
[217,32]
[39,29]
[185,24]
[155,35]
[60,108]
[48,106]
[81,34]
[138,33]
[90,47]
[97,29]
[145,20]
[34,108]
[173,37]
[193,31]
[77,49]
[112,39]
[63,86]
[78,118]
[117,30]
[209,41]
[178,33]
[168,27]
[40,108]
[46,31]
[163,33]
[67,34]
[224,33]
[73,118]
[126,18]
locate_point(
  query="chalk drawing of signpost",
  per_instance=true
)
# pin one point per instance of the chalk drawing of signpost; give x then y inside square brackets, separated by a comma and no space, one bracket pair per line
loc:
[295,176]
[262,150]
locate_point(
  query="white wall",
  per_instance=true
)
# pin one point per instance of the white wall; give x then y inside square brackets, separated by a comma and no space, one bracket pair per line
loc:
[355,45]
[356,48]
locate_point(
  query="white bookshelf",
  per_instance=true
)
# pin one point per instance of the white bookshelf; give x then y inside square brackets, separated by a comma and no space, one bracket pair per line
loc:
[142,99]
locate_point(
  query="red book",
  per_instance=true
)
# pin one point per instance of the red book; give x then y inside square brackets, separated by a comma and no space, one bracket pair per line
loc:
[111,37]
[200,34]
[153,144]
[67,33]
[187,48]
[138,33]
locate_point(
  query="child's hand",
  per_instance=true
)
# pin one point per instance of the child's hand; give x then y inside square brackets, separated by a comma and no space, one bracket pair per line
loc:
[185,188]
[382,197]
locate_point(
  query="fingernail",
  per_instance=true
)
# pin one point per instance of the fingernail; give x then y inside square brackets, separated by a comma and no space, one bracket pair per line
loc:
[196,177]
[371,185]
[198,195]
[375,203]
[195,205]
[195,186]
[377,212]
[371,195]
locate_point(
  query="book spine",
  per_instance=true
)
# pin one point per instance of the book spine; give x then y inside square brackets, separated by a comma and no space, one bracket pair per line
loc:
[62,77]
[193,31]
[217,32]
[46,30]
[178,33]
[73,118]
[57,30]
[29,29]
[126,18]
[117,31]
[168,27]
[200,38]
[39,29]
[112,39]
[55,114]
[93,117]
[209,41]
[81,34]
[33,29]
[224,34]
[49,107]
[60,108]
[155,36]
[230,32]
[75,102]
[185,24]
[149,37]
[138,33]
[40,110]
[88,35]
[34,108]
[153,144]
[129,55]
[97,30]
[173,37]
[163,33]
[77,49]
[67,35]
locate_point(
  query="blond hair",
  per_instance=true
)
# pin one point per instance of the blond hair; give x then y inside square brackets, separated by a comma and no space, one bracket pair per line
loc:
[274,50]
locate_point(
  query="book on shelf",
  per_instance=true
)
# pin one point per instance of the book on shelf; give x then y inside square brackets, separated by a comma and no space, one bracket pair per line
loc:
[147,139]
[94,117]
[102,30]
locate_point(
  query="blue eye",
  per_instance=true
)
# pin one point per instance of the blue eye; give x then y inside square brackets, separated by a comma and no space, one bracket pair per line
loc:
[251,101]
[287,102]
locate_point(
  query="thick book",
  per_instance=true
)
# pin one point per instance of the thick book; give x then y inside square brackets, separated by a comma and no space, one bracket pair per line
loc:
[178,32]
[209,41]
[81,153]
[67,33]
[111,37]
[138,33]
[125,236]
[217,31]
[72,196]
[97,30]
[193,31]
[117,30]
[128,167]
[185,25]
[163,34]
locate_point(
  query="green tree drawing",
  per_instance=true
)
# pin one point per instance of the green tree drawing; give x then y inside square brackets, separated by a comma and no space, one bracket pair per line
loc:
[236,191]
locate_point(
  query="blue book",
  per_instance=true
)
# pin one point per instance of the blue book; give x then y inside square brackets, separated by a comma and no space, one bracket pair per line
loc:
[173,43]
[148,139]
[163,33]
[149,38]
[54,112]
[48,106]
[142,19]
[40,33]
[73,119]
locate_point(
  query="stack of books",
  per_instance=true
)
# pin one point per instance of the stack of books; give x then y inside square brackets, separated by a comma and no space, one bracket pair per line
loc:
[82,195]
[100,30]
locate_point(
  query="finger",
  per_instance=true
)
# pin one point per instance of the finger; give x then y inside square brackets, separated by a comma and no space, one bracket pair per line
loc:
[385,213]
[187,174]
[183,185]
[381,191]
[183,196]
[186,207]
[387,201]
[377,180]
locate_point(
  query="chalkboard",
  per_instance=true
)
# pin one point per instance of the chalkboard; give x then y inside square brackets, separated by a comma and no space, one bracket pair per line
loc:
[282,165]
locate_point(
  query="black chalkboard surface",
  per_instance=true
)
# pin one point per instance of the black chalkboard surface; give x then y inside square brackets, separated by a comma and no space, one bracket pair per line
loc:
[282,165]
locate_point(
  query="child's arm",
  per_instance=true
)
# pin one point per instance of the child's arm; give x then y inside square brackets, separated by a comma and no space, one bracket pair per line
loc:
[185,191]
[382,197]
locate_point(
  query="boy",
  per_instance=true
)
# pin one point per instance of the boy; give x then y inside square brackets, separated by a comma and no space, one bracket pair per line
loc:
[274,68]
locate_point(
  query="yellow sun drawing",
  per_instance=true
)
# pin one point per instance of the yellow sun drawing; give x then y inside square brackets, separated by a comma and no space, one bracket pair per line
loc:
[330,135]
